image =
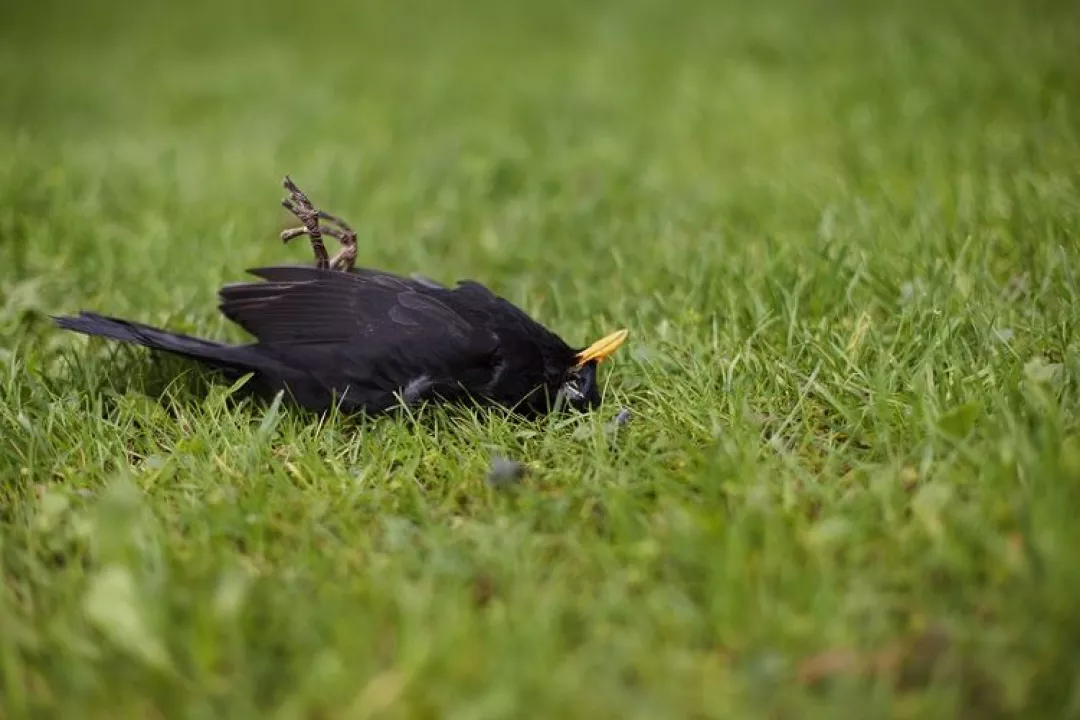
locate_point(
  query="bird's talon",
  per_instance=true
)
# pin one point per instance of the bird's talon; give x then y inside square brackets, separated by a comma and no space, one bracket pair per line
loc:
[299,205]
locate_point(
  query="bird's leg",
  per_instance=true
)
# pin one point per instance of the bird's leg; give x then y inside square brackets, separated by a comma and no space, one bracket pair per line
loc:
[299,205]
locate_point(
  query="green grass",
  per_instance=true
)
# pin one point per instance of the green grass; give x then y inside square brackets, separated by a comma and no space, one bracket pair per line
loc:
[843,234]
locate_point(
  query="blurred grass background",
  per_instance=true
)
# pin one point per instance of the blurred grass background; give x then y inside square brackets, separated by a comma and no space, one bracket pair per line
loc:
[843,234]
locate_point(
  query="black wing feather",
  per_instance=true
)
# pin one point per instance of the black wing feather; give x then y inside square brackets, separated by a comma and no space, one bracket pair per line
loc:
[309,305]
[370,332]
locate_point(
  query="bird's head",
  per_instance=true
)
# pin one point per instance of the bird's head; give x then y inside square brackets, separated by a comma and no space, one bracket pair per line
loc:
[579,387]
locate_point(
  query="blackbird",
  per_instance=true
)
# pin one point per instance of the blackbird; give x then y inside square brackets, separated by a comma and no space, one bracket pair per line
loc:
[367,341]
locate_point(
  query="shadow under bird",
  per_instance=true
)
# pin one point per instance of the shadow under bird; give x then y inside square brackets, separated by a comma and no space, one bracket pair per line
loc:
[368,341]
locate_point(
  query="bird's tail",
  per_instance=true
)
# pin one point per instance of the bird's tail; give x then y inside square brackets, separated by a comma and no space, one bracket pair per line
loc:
[219,355]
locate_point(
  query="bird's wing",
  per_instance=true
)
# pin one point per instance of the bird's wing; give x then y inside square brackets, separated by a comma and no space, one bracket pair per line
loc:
[366,328]
[305,305]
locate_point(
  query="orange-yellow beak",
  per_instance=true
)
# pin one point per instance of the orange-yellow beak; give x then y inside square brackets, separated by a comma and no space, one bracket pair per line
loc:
[603,348]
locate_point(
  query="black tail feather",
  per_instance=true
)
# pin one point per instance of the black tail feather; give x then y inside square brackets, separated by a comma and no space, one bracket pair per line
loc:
[226,357]
[271,373]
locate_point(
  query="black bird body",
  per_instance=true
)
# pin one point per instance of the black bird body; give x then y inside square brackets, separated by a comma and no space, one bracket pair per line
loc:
[368,341]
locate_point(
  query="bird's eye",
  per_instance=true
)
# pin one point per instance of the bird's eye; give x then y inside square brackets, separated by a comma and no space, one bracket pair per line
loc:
[571,391]
[578,389]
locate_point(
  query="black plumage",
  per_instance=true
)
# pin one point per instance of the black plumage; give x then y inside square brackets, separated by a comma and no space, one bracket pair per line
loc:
[369,341]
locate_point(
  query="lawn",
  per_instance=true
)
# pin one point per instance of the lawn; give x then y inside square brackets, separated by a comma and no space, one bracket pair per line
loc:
[844,234]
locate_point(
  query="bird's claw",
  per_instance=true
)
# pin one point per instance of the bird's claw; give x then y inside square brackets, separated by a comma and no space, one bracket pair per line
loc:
[305,211]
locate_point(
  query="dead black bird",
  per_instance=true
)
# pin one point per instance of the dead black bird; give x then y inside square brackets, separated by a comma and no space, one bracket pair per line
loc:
[368,341]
